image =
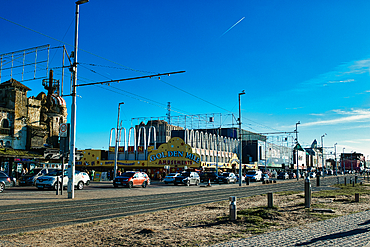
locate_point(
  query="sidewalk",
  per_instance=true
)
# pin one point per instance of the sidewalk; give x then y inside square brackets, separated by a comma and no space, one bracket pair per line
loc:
[350,230]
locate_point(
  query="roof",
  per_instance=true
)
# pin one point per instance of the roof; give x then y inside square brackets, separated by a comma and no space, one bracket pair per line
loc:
[14,83]
[58,100]
[7,152]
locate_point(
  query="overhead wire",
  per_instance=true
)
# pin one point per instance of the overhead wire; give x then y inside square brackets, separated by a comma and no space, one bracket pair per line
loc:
[128,68]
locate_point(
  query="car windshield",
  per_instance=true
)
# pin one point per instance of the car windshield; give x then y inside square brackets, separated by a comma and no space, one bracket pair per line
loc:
[33,171]
[128,174]
[171,175]
[54,173]
[225,174]
[185,174]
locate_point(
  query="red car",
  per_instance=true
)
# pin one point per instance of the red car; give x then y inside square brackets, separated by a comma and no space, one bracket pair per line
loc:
[132,178]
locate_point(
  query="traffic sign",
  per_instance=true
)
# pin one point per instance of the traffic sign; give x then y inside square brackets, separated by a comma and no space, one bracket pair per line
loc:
[63,130]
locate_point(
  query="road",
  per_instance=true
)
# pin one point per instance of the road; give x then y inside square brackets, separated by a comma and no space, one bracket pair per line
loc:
[27,209]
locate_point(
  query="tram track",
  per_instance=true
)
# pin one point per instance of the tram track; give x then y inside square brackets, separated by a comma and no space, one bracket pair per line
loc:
[22,218]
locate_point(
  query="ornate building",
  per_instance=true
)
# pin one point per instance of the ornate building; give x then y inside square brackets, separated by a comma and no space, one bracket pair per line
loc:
[30,123]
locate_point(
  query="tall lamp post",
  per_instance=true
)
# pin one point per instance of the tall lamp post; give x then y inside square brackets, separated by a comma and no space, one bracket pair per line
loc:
[351,161]
[296,140]
[72,155]
[323,160]
[117,142]
[344,164]
[240,142]
[335,156]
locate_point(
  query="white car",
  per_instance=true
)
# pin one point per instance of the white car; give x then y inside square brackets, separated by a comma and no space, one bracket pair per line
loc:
[49,181]
[170,178]
[254,175]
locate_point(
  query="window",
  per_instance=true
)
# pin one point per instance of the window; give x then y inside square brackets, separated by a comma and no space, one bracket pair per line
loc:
[5,123]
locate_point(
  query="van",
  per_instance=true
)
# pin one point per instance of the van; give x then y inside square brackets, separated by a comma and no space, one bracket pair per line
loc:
[254,175]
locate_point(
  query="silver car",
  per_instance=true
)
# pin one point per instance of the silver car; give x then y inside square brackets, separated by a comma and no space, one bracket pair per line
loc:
[49,181]
[170,178]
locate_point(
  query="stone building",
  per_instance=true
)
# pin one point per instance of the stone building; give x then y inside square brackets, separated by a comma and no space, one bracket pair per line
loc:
[28,123]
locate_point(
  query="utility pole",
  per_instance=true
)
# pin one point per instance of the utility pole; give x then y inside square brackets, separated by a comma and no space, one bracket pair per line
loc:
[240,143]
[118,137]
[72,155]
[296,140]
[323,159]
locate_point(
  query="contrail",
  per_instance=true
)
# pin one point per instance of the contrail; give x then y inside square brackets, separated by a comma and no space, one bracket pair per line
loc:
[232,27]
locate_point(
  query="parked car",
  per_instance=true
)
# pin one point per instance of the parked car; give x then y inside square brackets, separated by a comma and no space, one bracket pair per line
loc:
[237,178]
[283,175]
[254,175]
[292,175]
[32,175]
[131,178]
[49,180]
[265,178]
[206,177]
[187,178]
[170,178]
[5,181]
[227,178]
[274,174]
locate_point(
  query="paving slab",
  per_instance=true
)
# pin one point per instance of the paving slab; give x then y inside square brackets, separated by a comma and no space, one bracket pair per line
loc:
[350,230]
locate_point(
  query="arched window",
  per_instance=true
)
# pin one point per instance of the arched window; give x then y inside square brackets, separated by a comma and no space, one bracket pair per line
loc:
[5,123]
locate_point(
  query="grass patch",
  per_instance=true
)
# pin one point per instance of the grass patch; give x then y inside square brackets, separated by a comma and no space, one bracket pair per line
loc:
[319,216]
[287,193]
[343,190]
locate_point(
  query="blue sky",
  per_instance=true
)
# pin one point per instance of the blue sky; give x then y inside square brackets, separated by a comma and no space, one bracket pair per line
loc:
[297,61]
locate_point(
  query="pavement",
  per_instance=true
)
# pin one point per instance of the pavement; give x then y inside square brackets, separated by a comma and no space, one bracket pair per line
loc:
[350,230]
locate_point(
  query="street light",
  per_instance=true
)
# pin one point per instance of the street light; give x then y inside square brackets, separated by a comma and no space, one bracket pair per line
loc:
[72,155]
[323,161]
[117,141]
[335,155]
[344,165]
[240,142]
[351,162]
[296,140]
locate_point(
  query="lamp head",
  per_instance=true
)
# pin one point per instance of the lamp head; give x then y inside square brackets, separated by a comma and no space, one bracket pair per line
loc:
[81,2]
[243,92]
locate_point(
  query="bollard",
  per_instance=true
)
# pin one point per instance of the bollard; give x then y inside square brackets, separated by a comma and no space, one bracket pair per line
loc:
[356,179]
[57,188]
[247,181]
[318,181]
[270,200]
[307,193]
[357,197]
[232,207]
[353,183]
[345,181]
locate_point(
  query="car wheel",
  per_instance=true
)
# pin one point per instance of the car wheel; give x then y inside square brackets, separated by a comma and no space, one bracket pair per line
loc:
[115,185]
[130,185]
[2,187]
[197,183]
[88,182]
[175,184]
[166,182]
[228,181]
[40,188]
[80,185]
[144,184]
[188,183]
